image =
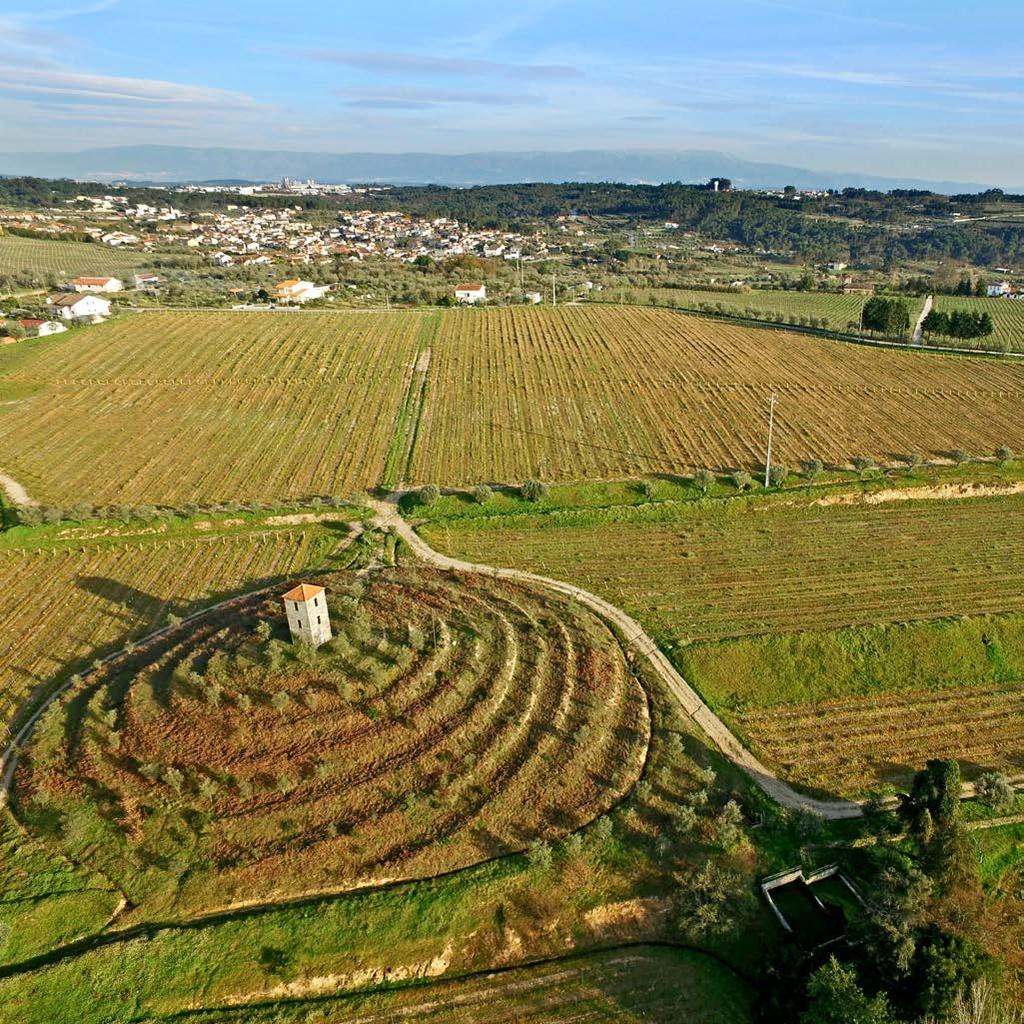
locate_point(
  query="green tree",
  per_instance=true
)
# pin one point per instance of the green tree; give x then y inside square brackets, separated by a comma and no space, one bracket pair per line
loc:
[428,494]
[835,997]
[534,490]
[703,480]
[995,791]
[482,494]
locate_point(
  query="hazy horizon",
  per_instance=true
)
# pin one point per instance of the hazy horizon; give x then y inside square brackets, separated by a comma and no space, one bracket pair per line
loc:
[921,92]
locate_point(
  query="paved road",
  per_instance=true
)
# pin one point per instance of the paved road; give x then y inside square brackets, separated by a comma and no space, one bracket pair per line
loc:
[388,516]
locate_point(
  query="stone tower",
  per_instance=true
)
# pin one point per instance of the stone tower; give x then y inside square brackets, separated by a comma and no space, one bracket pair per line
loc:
[306,608]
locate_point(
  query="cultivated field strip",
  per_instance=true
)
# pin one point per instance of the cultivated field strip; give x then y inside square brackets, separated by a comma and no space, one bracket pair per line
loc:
[854,743]
[174,407]
[586,392]
[448,723]
[776,569]
[622,986]
[1007,318]
[62,259]
[838,310]
[181,407]
[60,607]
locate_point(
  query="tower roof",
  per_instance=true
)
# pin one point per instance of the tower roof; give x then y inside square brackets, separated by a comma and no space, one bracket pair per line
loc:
[303,592]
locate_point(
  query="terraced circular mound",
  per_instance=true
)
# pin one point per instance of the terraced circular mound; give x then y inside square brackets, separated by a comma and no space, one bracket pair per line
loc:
[449,720]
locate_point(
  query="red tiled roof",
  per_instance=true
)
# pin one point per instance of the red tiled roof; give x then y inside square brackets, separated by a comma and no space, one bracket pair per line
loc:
[303,592]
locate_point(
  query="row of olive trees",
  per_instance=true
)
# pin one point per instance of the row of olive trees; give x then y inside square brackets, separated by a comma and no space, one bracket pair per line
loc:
[704,479]
[36,515]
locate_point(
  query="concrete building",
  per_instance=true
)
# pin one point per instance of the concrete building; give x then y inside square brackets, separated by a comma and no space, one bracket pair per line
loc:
[296,290]
[79,307]
[96,284]
[306,608]
[470,292]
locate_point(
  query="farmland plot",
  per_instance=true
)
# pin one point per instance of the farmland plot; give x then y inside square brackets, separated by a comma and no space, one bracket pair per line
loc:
[631,985]
[1007,318]
[777,614]
[710,574]
[599,392]
[179,407]
[423,737]
[838,310]
[63,259]
[62,605]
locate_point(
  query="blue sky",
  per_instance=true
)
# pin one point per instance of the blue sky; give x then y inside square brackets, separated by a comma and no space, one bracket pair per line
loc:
[925,89]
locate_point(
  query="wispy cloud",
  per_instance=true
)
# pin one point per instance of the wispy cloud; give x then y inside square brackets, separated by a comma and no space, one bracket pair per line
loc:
[416,98]
[410,63]
[72,85]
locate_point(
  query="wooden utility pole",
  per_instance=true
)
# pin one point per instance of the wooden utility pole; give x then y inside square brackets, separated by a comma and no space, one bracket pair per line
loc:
[771,425]
[554,294]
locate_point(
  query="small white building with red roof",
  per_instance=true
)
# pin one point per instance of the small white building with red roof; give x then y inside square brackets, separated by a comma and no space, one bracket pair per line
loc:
[95,284]
[470,293]
[306,609]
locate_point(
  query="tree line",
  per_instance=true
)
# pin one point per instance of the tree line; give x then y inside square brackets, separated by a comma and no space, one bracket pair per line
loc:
[962,324]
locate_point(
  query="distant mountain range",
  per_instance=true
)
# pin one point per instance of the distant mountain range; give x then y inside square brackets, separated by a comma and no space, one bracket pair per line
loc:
[181,165]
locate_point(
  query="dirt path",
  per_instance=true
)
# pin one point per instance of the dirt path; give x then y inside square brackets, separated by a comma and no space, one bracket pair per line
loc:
[387,516]
[919,326]
[16,494]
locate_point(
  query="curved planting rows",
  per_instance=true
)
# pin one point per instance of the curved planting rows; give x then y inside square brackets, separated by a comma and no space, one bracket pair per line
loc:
[450,720]
[60,604]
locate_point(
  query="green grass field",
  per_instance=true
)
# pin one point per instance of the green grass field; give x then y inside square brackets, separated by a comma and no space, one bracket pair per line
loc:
[635,984]
[43,259]
[1007,317]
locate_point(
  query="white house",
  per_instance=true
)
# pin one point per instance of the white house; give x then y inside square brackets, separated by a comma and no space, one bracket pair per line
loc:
[79,307]
[470,292]
[295,290]
[43,328]
[997,291]
[96,284]
[534,297]
[147,282]
[306,608]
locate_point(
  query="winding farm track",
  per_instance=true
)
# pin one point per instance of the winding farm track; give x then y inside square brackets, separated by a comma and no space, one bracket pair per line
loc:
[388,517]
[16,494]
[919,326]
